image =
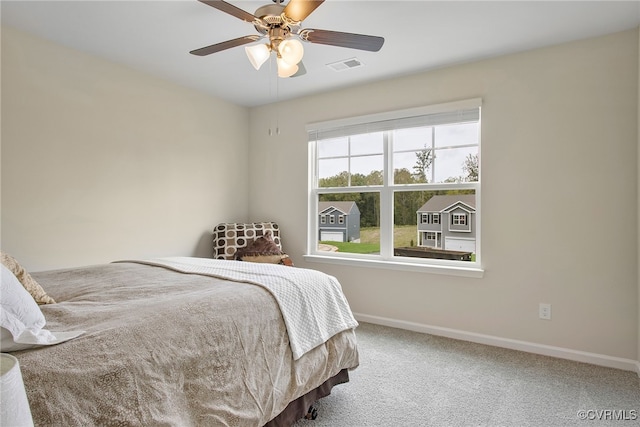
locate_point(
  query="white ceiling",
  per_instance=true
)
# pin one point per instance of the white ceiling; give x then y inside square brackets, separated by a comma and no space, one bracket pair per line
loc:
[156,36]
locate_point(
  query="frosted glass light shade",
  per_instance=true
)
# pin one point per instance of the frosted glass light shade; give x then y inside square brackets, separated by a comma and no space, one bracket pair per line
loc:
[257,54]
[291,51]
[285,69]
[14,406]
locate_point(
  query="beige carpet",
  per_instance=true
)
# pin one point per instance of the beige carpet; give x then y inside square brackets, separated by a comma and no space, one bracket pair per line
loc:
[411,379]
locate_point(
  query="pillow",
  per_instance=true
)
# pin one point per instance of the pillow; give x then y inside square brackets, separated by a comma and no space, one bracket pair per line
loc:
[230,237]
[29,283]
[19,310]
[263,249]
[21,320]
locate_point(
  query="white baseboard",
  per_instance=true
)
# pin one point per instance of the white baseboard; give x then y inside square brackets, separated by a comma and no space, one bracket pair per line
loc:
[546,350]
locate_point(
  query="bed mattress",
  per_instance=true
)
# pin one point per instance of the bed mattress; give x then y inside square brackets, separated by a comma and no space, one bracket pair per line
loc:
[163,347]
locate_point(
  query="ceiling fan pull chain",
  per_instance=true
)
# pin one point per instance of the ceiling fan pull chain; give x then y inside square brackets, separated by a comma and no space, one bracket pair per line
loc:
[277,107]
[277,130]
[270,84]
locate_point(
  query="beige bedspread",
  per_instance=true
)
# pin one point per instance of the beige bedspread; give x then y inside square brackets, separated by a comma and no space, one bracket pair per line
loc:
[163,348]
[311,302]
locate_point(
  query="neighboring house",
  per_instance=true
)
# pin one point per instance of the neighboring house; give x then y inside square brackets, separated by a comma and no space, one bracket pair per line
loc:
[339,222]
[448,222]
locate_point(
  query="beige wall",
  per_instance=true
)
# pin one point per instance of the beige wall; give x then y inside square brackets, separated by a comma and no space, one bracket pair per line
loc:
[101,162]
[559,195]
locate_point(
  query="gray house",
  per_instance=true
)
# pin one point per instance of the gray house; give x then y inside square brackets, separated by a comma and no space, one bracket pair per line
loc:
[339,222]
[448,222]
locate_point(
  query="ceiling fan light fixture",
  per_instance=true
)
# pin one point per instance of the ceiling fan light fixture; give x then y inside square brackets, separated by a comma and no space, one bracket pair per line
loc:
[291,51]
[285,69]
[280,23]
[258,54]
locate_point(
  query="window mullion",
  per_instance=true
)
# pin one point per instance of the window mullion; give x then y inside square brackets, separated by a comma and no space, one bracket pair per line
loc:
[433,154]
[386,199]
[349,161]
[312,195]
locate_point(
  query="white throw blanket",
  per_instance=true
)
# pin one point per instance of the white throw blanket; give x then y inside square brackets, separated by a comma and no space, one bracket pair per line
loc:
[313,305]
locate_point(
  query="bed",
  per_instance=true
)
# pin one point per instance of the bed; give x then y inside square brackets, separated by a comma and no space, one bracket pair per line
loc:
[188,342]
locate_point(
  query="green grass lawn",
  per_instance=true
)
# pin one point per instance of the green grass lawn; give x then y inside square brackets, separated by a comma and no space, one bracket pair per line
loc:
[403,235]
[356,248]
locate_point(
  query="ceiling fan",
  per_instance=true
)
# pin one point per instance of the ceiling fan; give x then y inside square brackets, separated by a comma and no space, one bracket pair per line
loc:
[281,25]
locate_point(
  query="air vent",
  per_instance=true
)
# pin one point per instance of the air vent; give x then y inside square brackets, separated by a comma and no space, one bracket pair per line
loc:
[345,64]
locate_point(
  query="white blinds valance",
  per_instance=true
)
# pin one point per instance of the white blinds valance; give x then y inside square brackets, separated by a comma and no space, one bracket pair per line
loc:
[460,112]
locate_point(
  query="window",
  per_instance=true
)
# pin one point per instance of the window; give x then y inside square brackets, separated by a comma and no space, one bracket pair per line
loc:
[397,174]
[430,218]
[459,219]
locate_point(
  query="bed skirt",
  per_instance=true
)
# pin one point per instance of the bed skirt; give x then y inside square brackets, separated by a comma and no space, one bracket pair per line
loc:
[298,408]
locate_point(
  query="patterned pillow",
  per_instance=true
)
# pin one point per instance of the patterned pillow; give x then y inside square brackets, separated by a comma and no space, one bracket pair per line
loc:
[228,238]
[27,281]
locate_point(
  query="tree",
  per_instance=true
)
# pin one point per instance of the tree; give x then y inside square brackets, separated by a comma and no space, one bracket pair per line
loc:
[339,180]
[424,159]
[470,166]
[403,176]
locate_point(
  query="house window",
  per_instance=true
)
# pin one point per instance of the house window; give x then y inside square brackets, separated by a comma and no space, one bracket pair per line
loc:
[431,218]
[459,219]
[341,219]
[332,219]
[430,235]
[323,219]
[393,166]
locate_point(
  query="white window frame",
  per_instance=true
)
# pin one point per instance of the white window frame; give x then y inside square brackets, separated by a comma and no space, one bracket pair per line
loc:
[386,259]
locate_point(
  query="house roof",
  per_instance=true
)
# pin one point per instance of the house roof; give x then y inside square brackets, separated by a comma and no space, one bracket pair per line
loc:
[440,203]
[344,207]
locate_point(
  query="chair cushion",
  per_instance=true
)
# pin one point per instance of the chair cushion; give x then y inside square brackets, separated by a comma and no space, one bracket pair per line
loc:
[228,238]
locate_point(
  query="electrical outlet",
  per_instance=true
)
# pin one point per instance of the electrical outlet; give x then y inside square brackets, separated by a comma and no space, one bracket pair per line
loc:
[545,311]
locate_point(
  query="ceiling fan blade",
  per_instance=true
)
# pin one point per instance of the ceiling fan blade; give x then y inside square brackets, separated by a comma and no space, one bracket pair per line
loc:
[231,10]
[298,10]
[337,38]
[301,70]
[208,50]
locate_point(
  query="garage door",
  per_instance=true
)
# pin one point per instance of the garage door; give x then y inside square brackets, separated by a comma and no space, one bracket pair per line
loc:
[331,236]
[464,245]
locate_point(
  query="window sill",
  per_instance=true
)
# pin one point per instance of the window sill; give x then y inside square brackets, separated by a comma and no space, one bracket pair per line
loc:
[474,272]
